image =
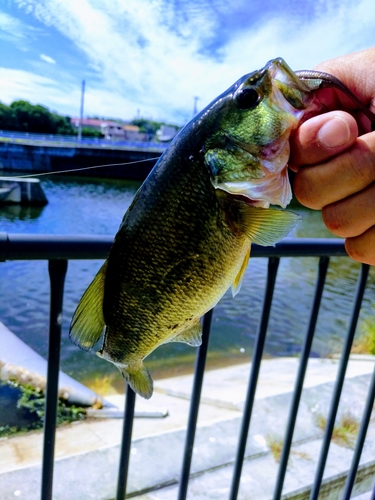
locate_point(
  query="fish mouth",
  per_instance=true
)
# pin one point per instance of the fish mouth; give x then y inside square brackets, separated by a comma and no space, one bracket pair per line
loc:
[272,186]
[274,155]
[274,190]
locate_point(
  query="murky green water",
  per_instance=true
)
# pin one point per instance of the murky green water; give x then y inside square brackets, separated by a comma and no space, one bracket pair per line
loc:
[93,206]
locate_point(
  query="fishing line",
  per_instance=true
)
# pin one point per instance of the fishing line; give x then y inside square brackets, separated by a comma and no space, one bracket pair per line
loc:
[80,169]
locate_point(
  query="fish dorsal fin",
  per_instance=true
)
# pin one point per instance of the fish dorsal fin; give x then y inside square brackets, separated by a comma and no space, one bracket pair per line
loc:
[88,323]
[191,336]
[236,285]
[265,226]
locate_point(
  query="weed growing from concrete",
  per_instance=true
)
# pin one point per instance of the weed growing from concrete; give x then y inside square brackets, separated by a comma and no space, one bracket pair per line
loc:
[345,430]
[275,444]
[365,343]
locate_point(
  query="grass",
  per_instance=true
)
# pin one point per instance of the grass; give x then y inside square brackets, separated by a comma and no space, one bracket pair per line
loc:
[365,343]
[103,384]
[344,432]
[33,400]
[275,444]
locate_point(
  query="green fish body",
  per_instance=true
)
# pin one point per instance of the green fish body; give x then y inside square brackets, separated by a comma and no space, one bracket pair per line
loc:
[186,237]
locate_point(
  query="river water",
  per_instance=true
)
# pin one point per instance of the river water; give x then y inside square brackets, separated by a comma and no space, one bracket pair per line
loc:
[96,206]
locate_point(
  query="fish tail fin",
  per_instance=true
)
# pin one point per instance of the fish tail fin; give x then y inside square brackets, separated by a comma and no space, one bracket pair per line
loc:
[139,379]
[88,322]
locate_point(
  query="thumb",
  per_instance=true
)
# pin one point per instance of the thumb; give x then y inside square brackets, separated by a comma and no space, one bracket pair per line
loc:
[322,137]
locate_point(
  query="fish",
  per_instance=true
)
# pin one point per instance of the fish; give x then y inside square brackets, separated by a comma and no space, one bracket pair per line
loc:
[186,237]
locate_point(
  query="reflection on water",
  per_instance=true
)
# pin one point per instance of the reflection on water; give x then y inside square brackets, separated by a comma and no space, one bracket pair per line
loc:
[93,206]
[19,212]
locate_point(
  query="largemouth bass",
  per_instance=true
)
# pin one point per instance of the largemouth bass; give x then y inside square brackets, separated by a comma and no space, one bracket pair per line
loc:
[186,237]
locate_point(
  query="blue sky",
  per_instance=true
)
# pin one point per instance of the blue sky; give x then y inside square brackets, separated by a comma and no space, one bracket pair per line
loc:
[155,56]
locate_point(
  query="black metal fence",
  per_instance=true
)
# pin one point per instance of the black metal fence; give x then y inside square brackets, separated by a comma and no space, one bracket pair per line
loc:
[59,249]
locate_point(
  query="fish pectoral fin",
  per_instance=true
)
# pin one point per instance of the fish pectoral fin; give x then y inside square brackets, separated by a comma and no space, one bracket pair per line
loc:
[88,323]
[265,226]
[236,285]
[191,336]
[139,379]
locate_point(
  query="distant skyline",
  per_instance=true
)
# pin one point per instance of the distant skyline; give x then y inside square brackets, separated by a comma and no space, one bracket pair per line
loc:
[154,57]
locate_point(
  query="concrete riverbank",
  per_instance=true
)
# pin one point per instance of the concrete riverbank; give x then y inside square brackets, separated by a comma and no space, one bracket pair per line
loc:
[87,452]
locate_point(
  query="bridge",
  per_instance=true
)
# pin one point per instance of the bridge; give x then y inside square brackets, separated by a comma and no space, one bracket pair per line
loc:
[36,153]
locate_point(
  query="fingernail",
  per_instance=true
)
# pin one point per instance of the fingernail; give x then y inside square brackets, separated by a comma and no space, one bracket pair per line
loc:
[335,132]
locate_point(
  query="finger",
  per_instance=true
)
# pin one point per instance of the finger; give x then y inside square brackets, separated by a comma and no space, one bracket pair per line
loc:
[362,247]
[322,137]
[342,176]
[353,215]
[352,70]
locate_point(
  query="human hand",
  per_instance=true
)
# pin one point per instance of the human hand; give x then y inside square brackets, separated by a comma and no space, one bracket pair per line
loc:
[333,155]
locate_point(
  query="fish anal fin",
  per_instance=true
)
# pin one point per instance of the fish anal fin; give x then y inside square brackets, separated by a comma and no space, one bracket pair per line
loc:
[236,285]
[139,379]
[88,323]
[191,335]
[265,226]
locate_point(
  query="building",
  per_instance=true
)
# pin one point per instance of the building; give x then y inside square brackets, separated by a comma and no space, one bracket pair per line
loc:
[94,123]
[166,133]
[111,130]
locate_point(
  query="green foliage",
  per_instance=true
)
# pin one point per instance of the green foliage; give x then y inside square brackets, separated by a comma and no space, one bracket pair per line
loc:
[149,126]
[21,116]
[146,126]
[34,401]
[90,132]
[365,343]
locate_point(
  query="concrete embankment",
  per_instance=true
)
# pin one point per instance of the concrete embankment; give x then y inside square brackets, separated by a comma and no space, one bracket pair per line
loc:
[20,363]
[24,191]
[90,450]
[48,158]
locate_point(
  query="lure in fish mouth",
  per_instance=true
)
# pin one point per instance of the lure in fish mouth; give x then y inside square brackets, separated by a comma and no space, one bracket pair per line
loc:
[187,235]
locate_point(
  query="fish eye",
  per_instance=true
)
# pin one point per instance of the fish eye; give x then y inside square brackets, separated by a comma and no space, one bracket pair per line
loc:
[248,98]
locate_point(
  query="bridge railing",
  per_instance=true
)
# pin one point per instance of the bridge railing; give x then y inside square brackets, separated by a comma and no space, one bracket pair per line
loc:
[73,141]
[57,250]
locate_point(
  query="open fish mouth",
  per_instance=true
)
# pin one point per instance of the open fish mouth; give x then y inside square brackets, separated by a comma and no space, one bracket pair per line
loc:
[272,187]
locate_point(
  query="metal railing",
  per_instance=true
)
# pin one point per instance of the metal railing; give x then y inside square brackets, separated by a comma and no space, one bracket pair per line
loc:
[59,249]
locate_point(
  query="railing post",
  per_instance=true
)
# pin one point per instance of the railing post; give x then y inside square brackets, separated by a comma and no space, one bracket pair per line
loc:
[57,271]
[305,353]
[125,442]
[361,285]
[194,405]
[273,265]
[361,439]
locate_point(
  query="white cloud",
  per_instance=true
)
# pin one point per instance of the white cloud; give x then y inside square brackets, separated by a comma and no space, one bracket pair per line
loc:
[18,84]
[144,64]
[11,25]
[47,59]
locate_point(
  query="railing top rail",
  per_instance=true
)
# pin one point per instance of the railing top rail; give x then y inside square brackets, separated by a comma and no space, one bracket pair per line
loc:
[72,140]
[19,246]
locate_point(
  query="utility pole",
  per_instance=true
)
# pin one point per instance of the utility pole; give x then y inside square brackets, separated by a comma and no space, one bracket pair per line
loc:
[195,110]
[81,112]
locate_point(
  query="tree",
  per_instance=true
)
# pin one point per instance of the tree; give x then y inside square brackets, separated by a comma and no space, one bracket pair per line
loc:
[90,132]
[25,117]
[7,118]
